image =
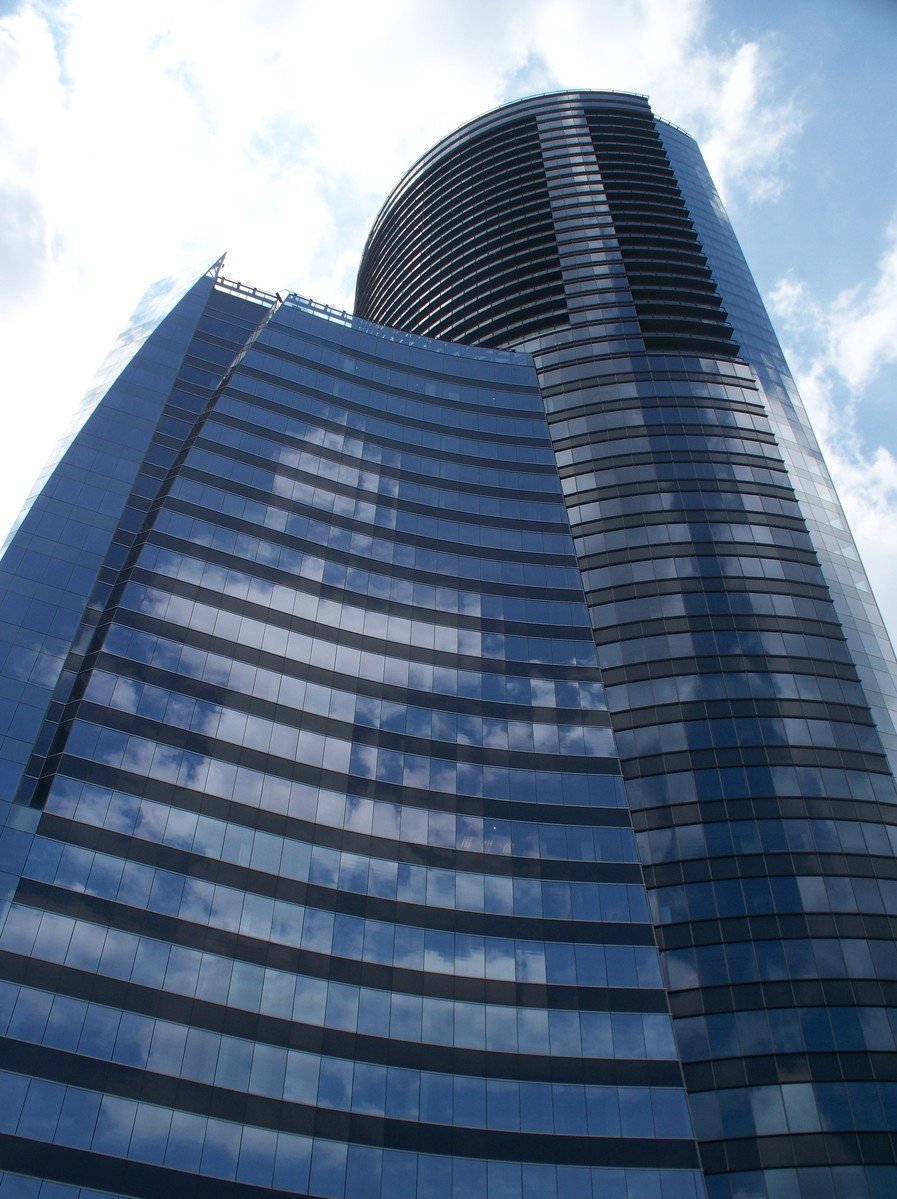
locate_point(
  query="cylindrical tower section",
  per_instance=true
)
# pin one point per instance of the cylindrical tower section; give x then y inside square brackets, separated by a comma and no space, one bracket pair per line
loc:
[748,671]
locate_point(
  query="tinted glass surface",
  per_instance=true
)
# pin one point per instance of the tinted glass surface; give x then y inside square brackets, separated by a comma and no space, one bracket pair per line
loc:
[748,676]
[333,889]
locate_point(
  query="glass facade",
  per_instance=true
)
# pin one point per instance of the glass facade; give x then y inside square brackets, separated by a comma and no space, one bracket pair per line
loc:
[748,675]
[322,880]
[449,756]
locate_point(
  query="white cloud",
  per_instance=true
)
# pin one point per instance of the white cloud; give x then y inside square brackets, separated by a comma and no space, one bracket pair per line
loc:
[147,136]
[838,349]
[725,96]
[863,322]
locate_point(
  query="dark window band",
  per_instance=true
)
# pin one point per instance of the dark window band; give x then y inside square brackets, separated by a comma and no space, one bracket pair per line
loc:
[258,952]
[221,1103]
[353,903]
[435,801]
[357,1047]
[287,768]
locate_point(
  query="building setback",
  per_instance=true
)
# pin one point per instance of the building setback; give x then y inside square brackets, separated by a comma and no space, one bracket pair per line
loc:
[452,768]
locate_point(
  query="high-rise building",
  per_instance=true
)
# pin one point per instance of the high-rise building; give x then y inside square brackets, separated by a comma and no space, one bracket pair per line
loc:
[445,750]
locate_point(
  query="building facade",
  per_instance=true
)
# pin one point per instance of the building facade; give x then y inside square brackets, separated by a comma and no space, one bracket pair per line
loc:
[321,878]
[445,750]
[749,676]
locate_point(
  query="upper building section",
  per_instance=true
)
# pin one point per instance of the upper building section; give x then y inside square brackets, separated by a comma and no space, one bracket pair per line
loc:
[487,239]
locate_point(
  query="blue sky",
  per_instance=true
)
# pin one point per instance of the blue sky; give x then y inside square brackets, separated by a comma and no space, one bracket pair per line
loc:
[829,225]
[137,139]
[838,59]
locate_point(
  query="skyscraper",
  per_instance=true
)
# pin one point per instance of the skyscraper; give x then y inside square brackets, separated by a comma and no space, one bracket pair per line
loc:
[431,767]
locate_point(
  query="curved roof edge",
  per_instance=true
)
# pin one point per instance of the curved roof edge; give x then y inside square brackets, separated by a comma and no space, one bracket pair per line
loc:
[497,116]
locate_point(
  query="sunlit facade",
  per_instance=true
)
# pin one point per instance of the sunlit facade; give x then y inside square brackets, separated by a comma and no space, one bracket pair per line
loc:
[322,879]
[444,750]
[749,677]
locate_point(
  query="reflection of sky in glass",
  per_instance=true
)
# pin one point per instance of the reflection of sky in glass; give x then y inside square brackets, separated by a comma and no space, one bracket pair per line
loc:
[155,305]
[309,637]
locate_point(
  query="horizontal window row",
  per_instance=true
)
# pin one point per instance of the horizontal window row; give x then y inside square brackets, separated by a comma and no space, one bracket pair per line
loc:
[756,782]
[446,378]
[392,1092]
[690,412]
[231,722]
[309,522]
[285,383]
[314,640]
[399,383]
[215,770]
[470,277]
[297,329]
[787,1031]
[455,227]
[262,404]
[278,562]
[595,450]
[254,592]
[393,829]
[692,533]
[746,731]
[587,411]
[181,970]
[722,643]
[703,568]
[292,1163]
[710,503]
[480,216]
[366,464]
[14,1185]
[331,537]
[791,1109]
[721,839]
[410,564]
[734,757]
[682,470]
[319,930]
[277,574]
[759,896]
[753,961]
[321,867]
[392,676]
[571,359]
[281,470]
[381,503]
[569,363]
[318,451]
[681,437]
[728,623]
[718,605]
[303,861]
[736,687]
[451,374]
[525,293]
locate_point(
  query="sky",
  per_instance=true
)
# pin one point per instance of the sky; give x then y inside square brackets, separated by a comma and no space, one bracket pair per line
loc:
[137,139]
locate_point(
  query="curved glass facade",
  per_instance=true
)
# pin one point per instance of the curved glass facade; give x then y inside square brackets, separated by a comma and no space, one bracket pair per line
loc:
[748,674]
[453,768]
[323,878]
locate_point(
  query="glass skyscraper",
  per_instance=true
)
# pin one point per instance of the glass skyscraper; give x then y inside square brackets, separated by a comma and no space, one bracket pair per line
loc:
[445,750]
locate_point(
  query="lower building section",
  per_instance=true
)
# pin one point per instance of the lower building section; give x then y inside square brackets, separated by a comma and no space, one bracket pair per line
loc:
[324,881]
